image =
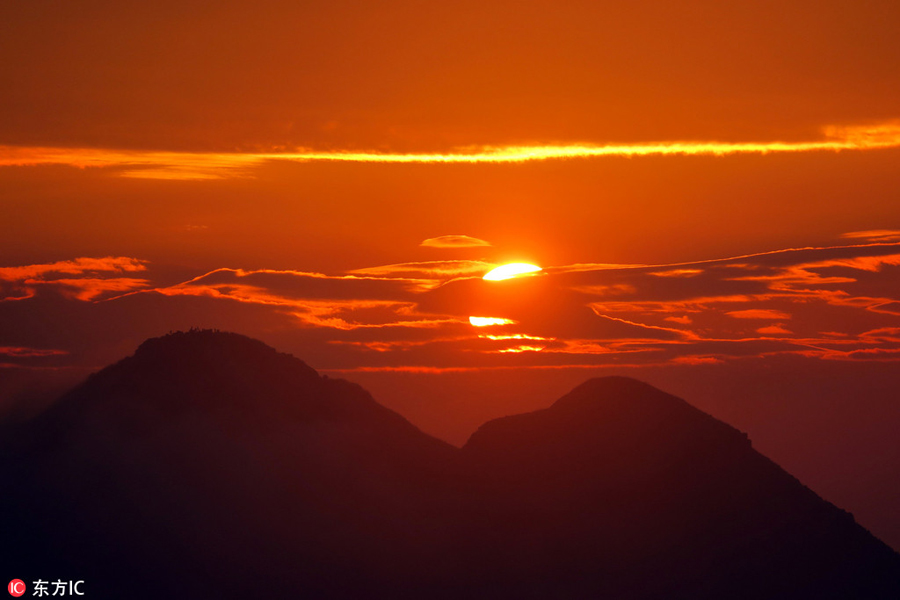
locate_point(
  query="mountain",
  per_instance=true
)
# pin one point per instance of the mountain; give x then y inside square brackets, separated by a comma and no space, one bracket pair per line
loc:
[228,467]
[209,465]
[619,490]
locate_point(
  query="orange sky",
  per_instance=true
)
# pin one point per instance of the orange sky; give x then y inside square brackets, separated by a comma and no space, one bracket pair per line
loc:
[715,198]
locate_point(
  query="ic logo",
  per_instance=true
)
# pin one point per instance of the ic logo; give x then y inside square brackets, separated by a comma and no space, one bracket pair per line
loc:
[16,587]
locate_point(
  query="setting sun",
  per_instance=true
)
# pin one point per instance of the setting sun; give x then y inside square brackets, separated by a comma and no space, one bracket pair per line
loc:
[511,270]
[485,321]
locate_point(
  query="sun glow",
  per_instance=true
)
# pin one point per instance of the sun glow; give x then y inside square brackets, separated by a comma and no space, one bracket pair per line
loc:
[511,270]
[518,349]
[516,336]
[485,321]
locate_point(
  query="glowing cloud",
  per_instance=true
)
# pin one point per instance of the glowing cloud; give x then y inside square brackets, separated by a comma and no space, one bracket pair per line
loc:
[511,270]
[517,349]
[454,241]
[678,273]
[834,303]
[515,336]
[215,165]
[81,278]
[875,235]
[76,266]
[25,352]
[434,269]
[485,321]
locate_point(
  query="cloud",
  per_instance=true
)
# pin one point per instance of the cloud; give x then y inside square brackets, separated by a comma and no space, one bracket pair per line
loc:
[454,241]
[77,266]
[874,235]
[136,163]
[216,165]
[25,352]
[697,360]
[436,270]
[696,312]
[863,263]
[91,288]
[28,358]
[343,302]
[678,273]
[683,320]
[308,285]
[841,303]
[774,330]
[758,313]
[80,278]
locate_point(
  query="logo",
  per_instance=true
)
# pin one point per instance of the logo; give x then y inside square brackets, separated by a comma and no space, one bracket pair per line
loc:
[16,587]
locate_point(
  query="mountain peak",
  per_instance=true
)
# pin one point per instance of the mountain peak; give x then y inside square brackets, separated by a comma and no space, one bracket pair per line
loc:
[203,345]
[200,369]
[605,392]
[612,410]
[207,374]
[198,337]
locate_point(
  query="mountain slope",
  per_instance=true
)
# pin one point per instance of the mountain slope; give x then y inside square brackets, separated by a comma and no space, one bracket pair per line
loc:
[210,464]
[621,490]
[213,458]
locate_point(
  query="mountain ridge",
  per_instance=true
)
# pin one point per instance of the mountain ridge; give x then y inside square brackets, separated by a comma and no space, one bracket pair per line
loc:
[215,458]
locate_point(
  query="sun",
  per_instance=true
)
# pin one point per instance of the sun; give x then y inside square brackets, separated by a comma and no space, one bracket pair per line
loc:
[511,270]
[485,321]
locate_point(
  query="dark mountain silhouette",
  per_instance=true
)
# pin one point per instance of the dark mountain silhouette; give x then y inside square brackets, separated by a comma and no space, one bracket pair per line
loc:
[211,461]
[620,490]
[210,465]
